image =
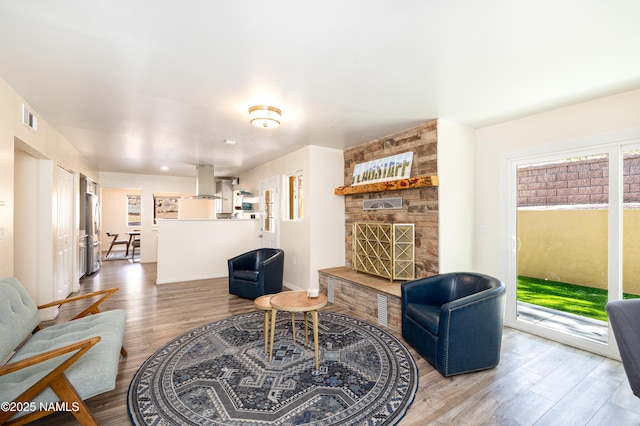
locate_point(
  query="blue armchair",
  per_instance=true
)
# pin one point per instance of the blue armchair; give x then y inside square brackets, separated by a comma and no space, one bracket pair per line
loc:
[455,320]
[256,273]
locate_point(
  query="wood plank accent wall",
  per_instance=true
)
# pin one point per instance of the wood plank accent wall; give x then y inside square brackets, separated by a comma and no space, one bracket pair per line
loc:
[419,205]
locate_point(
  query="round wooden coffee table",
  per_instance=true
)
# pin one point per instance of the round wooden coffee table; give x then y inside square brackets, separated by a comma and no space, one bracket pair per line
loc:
[297,301]
[262,303]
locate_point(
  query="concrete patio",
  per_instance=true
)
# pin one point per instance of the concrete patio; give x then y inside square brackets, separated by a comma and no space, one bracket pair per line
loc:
[575,325]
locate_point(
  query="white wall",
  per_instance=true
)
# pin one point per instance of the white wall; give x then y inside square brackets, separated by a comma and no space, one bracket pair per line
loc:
[196,249]
[294,236]
[325,211]
[45,144]
[584,120]
[148,185]
[316,241]
[33,260]
[456,202]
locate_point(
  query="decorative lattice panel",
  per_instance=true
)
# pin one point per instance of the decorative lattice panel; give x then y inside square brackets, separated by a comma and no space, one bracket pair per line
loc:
[384,249]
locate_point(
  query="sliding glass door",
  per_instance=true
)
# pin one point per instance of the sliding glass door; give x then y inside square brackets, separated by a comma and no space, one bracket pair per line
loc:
[569,243]
[631,223]
[562,233]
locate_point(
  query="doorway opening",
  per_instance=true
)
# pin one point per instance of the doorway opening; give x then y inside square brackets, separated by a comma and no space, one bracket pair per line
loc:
[121,212]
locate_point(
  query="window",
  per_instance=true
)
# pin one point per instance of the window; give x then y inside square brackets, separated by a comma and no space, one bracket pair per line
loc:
[269,219]
[133,210]
[294,196]
[165,206]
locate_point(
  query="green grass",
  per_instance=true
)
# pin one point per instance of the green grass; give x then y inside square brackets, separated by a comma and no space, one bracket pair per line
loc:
[576,299]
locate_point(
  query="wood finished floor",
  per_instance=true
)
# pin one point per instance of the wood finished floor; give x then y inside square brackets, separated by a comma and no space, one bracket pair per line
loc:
[538,382]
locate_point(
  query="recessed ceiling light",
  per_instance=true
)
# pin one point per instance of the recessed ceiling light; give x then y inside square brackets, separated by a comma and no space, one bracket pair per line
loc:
[164,168]
[229,142]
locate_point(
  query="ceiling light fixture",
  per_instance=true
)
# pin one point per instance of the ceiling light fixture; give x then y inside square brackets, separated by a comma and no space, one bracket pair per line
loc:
[264,116]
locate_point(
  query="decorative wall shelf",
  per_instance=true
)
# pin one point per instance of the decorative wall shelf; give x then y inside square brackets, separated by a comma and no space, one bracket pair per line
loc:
[414,182]
[384,249]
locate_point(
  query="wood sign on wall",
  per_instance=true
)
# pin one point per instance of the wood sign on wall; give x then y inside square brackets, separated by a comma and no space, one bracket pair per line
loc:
[385,169]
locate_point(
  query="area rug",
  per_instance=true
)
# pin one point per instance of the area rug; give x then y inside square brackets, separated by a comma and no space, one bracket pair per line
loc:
[116,255]
[219,374]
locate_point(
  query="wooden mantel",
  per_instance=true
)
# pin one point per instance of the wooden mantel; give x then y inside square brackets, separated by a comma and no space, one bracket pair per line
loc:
[411,183]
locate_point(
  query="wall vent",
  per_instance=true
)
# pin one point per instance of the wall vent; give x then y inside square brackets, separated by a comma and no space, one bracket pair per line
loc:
[330,289]
[382,309]
[29,119]
[382,204]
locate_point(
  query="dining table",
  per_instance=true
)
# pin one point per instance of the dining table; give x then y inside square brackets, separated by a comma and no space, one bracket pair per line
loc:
[132,235]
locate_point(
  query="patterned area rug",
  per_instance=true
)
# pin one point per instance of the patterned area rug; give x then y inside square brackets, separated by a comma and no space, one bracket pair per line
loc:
[218,374]
[120,255]
[115,255]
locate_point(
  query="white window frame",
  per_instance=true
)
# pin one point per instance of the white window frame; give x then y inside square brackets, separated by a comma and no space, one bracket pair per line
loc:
[611,144]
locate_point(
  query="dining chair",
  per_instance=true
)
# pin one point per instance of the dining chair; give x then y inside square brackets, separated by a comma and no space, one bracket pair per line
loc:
[135,244]
[115,242]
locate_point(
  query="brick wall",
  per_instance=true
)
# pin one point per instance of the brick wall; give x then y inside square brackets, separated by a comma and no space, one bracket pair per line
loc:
[575,182]
[363,300]
[419,206]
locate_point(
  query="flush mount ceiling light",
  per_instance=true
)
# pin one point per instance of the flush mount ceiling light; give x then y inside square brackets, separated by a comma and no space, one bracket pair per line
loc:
[264,116]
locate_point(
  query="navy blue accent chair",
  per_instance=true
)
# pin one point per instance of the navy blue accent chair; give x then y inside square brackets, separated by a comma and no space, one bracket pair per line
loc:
[256,273]
[454,320]
[624,316]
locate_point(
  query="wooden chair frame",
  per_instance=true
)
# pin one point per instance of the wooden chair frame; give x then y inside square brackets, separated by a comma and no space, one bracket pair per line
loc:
[56,379]
[93,309]
[116,242]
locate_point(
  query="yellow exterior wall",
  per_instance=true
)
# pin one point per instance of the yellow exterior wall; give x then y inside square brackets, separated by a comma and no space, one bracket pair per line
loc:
[571,246]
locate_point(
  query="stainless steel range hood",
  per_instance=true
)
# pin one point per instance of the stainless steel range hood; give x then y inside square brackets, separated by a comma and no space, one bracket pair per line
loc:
[205,183]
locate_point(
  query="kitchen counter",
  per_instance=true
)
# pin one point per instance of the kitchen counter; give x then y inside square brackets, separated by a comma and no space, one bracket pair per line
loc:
[195,249]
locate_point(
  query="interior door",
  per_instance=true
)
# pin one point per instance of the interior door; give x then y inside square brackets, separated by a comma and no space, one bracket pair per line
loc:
[64,220]
[270,212]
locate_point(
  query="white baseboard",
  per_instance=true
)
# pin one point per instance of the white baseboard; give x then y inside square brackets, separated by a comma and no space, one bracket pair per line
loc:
[290,286]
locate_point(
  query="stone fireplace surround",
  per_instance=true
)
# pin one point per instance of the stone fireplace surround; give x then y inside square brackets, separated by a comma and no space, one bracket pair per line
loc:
[359,292]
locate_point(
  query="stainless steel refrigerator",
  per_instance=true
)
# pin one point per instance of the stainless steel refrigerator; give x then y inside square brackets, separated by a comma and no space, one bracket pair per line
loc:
[94,226]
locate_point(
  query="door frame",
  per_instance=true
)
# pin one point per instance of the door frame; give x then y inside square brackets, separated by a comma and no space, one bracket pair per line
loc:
[65,236]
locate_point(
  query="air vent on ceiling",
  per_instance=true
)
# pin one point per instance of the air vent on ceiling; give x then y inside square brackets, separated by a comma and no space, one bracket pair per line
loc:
[382,203]
[29,119]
